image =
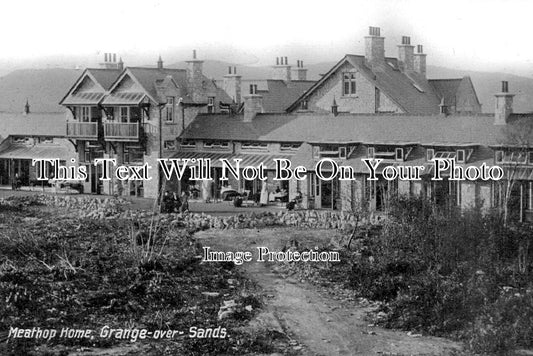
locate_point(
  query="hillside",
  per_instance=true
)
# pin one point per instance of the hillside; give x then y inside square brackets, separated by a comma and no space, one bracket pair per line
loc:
[44,88]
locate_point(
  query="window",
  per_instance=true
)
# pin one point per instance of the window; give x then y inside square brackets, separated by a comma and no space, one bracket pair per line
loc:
[304,105]
[371,152]
[123,113]
[461,156]
[46,140]
[169,109]
[216,144]
[85,114]
[430,153]
[377,97]
[170,144]
[399,154]
[530,157]
[211,104]
[188,144]
[511,157]
[253,88]
[289,146]
[342,152]
[21,140]
[254,145]
[348,84]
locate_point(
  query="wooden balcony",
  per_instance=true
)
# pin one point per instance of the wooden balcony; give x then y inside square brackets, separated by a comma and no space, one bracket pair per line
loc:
[121,131]
[82,130]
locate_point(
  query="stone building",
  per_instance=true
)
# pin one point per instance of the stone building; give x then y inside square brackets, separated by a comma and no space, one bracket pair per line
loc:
[373,83]
[134,115]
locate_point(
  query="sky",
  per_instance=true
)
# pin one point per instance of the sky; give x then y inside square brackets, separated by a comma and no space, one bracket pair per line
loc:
[488,35]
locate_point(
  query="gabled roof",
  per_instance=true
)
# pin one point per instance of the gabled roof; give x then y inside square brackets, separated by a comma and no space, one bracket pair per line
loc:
[411,92]
[364,128]
[446,88]
[149,77]
[103,78]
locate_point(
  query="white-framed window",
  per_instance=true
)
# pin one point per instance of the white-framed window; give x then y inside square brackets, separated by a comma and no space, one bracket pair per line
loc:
[430,153]
[530,157]
[169,144]
[124,114]
[46,140]
[216,144]
[511,157]
[371,152]
[188,144]
[85,114]
[342,152]
[398,152]
[211,104]
[348,84]
[289,146]
[25,140]
[461,157]
[254,145]
[169,109]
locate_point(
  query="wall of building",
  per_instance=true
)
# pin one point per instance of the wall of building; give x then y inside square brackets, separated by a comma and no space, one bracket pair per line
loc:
[364,101]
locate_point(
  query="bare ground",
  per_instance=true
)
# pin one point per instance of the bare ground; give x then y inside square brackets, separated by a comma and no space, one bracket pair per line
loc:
[318,323]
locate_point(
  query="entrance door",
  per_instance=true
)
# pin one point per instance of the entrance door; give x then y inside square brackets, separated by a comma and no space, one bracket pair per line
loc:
[96,183]
[329,194]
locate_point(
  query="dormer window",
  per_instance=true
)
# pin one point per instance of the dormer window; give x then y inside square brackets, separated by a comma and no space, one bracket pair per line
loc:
[216,144]
[512,157]
[399,154]
[211,104]
[169,114]
[430,153]
[461,157]
[371,152]
[303,105]
[342,152]
[348,84]
[170,145]
[188,144]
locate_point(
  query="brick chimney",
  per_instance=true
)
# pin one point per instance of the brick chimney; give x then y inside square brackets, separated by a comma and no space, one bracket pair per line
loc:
[253,104]
[419,60]
[232,84]
[504,105]
[195,78]
[282,69]
[120,65]
[406,54]
[374,47]
[299,73]
[159,63]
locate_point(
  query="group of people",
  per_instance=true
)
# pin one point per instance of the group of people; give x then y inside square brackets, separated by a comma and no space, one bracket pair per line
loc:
[173,203]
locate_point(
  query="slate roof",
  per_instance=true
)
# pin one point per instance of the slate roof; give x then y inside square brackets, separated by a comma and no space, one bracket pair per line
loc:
[104,77]
[278,95]
[365,128]
[63,150]
[33,124]
[148,78]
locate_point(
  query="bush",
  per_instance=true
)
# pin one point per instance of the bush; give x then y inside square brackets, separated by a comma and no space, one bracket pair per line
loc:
[442,270]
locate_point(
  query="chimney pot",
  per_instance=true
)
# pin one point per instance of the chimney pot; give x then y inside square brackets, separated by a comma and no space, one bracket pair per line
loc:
[234,70]
[419,49]
[229,70]
[505,86]
[114,57]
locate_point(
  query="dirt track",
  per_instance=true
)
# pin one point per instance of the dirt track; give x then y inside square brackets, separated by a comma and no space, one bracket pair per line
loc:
[318,324]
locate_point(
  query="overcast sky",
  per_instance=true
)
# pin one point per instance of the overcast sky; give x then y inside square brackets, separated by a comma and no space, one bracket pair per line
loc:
[473,35]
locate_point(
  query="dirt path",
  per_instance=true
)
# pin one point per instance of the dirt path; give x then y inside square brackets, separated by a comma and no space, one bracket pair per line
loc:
[318,323]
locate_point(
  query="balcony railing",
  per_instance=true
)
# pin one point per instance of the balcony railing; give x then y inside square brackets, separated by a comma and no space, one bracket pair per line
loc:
[121,131]
[88,130]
